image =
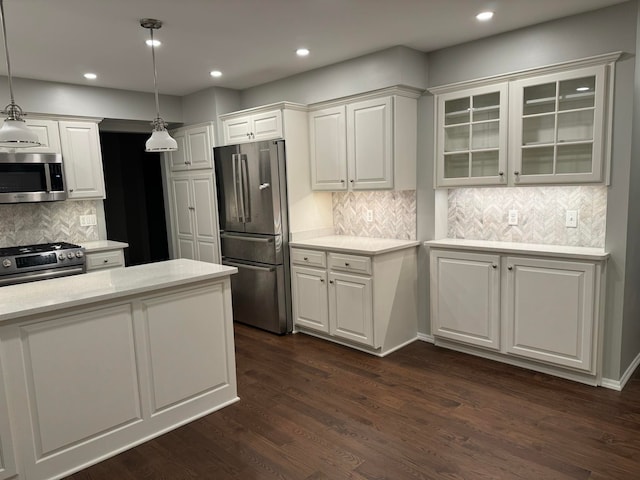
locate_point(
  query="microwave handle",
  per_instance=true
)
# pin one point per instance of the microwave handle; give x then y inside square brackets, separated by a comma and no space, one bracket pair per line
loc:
[47,177]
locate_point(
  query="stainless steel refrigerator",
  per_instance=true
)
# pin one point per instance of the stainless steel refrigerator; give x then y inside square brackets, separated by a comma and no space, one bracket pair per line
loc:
[254,231]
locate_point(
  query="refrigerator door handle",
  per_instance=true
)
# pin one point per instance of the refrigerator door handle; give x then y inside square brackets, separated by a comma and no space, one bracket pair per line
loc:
[248,267]
[244,176]
[248,239]
[239,207]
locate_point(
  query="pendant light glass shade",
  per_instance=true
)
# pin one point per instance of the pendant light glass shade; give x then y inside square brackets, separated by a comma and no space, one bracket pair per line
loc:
[160,140]
[14,132]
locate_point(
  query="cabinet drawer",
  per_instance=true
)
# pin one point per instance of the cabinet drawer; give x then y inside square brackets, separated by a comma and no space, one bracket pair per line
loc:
[350,263]
[111,259]
[312,258]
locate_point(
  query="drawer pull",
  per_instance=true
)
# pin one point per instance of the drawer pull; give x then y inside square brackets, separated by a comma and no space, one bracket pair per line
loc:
[346,264]
[306,259]
[106,260]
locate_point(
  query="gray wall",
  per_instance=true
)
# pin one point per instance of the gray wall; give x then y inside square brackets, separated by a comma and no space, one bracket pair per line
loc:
[393,66]
[601,31]
[51,98]
[631,326]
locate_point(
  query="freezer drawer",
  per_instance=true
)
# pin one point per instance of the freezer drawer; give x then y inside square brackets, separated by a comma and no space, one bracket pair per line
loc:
[252,248]
[260,296]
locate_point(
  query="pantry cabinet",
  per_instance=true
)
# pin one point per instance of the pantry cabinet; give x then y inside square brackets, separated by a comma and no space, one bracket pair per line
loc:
[257,125]
[195,148]
[540,308]
[366,301]
[7,457]
[543,126]
[82,159]
[365,142]
[194,217]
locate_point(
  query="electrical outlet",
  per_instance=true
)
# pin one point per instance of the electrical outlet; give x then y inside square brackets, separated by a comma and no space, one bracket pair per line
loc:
[369,216]
[87,220]
[513,217]
[571,219]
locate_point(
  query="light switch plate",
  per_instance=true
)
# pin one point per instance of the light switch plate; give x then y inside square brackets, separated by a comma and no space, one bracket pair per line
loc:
[571,219]
[513,217]
[369,215]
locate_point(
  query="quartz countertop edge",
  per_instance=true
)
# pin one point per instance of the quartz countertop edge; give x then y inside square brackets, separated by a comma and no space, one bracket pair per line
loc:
[101,245]
[353,244]
[49,296]
[564,251]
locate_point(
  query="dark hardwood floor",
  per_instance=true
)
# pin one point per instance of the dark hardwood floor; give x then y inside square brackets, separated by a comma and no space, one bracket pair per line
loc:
[312,410]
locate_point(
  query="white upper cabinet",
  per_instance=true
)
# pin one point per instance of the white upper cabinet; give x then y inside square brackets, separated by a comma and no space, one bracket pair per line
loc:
[328,148]
[48,135]
[559,134]
[472,136]
[251,127]
[195,148]
[367,142]
[82,159]
[545,126]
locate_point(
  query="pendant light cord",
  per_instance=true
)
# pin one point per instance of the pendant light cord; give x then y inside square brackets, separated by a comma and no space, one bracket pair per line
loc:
[12,106]
[155,74]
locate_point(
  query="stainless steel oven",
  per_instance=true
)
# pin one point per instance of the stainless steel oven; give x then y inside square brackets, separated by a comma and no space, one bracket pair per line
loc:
[40,262]
[31,177]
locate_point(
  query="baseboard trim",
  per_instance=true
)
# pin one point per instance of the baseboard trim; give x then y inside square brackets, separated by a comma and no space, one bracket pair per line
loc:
[619,384]
[423,337]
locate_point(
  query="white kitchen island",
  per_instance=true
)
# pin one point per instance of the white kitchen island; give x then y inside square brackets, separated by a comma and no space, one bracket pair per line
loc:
[93,364]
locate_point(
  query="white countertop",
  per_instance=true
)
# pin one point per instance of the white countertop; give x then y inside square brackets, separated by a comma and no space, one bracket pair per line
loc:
[47,296]
[357,245]
[564,251]
[101,245]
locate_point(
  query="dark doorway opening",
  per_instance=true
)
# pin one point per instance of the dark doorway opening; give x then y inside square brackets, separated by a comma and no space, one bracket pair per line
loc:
[134,207]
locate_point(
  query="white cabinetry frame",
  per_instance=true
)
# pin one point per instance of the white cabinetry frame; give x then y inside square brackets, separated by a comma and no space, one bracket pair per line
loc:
[364,142]
[536,309]
[195,148]
[552,123]
[82,159]
[252,125]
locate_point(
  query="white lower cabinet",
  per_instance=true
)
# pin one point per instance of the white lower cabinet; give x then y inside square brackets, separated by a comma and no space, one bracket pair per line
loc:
[540,311]
[368,302]
[7,458]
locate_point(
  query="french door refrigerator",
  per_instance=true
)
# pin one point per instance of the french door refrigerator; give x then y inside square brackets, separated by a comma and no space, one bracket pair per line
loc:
[254,231]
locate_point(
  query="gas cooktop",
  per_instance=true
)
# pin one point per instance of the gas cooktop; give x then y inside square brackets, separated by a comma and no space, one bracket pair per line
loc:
[39,248]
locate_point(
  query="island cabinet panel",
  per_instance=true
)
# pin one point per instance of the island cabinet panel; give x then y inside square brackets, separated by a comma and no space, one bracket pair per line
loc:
[98,378]
[7,457]
[181,338]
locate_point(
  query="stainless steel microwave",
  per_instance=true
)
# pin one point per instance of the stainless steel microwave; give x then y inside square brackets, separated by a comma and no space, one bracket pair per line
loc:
[31,177]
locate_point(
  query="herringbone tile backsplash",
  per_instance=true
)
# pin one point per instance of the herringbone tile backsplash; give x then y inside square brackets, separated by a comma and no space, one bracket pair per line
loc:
[394,214]
[31,223]
[482,214]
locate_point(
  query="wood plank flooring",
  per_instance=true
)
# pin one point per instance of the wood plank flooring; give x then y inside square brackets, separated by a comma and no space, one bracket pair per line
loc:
[312,410]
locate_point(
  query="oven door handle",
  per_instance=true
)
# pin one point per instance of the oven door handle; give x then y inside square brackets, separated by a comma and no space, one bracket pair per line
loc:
[55,273]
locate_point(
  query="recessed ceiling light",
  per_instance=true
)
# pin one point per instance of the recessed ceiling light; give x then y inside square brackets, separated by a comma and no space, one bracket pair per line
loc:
[215,73]
[90,76]
[582,89]
[484,16]
[156,43]
[302,52]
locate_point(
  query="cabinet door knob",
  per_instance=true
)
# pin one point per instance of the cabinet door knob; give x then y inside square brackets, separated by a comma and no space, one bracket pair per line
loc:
[331,282]
[71,190]
[192,208]
[501,173]
[248,135]
[516,173]
[322,280]
[351,181]
[342,180]
[494,266]
[510,267]
[306,259]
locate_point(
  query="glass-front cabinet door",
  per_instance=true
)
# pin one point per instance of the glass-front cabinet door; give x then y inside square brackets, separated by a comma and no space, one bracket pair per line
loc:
[472,137]
[558,127]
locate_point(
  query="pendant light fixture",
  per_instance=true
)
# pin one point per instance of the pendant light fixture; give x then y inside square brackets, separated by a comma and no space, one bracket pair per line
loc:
[14,132]
[160,140]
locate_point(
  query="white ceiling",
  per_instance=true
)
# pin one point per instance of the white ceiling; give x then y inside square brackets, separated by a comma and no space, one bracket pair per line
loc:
[250,41]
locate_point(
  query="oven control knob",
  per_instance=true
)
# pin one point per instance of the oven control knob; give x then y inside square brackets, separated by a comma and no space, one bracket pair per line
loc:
[79,254]
[70,255]
[61,256]
[6,263]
